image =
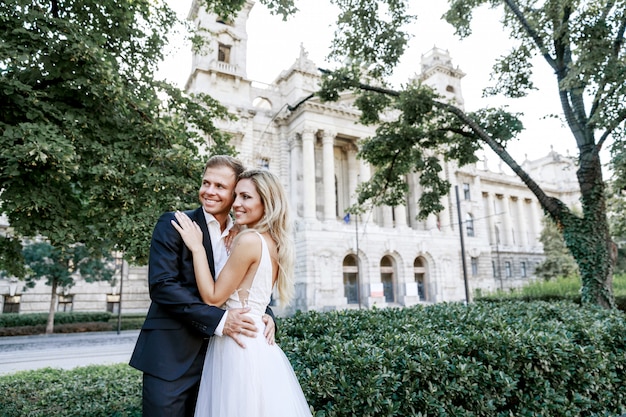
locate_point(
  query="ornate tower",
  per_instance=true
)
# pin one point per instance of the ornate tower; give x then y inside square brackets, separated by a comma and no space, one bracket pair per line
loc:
[220,66]
[439,74]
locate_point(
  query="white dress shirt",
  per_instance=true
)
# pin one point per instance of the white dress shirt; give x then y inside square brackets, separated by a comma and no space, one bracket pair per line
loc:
[220,255]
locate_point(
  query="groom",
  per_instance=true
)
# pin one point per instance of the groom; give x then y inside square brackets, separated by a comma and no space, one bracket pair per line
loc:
[173,340]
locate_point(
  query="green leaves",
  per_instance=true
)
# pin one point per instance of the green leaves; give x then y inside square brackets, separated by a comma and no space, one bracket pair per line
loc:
[58,265]
[511,358]
[484,359]
[371,34]
[559,261]
[513,74]
[94,148]
[415,130]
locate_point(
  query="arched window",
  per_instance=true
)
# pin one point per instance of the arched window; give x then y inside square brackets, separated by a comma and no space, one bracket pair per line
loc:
[387,278]
[262,103]
[419,272]
[351,279]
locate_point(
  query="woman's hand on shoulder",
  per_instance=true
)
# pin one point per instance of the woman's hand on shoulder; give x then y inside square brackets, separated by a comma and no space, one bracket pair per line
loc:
[232,234]
[189,231]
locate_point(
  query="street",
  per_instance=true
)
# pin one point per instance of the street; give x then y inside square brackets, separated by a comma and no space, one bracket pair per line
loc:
[65,351]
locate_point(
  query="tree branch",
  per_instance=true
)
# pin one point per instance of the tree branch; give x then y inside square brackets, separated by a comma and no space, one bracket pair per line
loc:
[570,103]
[547,202]
[619,39]
[618,43]
[532,33]
[54,8]
[612,126]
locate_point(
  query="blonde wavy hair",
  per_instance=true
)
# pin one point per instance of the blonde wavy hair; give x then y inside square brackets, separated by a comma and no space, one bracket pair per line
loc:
[277,221]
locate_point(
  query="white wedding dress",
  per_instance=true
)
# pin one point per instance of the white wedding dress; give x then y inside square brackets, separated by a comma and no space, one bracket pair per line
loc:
[257,381]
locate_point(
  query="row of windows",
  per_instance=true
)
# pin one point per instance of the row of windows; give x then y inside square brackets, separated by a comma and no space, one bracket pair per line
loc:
[496,268]
[508,269]
[351,279]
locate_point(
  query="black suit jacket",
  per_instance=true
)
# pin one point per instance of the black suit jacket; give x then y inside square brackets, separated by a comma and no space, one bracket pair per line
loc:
[178,321]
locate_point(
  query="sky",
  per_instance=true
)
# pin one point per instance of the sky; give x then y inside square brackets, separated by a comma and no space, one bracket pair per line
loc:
[312,27]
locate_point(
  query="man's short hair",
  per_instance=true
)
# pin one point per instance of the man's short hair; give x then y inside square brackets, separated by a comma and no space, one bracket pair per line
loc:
[225,161]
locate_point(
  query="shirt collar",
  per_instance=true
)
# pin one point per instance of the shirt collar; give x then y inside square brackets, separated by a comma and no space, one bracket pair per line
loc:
[211,219]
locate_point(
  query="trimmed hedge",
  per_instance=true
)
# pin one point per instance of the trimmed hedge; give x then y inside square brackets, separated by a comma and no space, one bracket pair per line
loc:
[485,359]
[35,319]
[91,326]
[90,391]
[76,323]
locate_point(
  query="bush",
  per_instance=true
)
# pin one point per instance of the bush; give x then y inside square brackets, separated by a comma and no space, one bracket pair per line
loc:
[559,289]
[485,359]
[91,391]
[518,359]
[17,320]
[18,324]
[92,326]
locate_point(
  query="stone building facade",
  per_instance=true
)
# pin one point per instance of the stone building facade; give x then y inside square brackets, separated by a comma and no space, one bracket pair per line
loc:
[385,257]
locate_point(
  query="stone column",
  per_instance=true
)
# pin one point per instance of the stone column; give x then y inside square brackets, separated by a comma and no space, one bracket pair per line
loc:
[294,163]
[412,201]
[491,219]
[506,219]
[400,212]
[445,221]
[536,214]
[364,170]
[522,225]
[387,216]
[353,173]
[308,173]
[328,174]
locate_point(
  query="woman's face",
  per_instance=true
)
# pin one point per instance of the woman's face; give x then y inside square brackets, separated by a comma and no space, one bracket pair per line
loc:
[248,206]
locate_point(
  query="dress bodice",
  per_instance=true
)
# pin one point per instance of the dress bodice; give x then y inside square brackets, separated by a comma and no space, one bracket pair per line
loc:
[260,292]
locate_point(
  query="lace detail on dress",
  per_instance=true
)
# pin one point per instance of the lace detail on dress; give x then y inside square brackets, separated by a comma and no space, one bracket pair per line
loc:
[260,292]
[243,300]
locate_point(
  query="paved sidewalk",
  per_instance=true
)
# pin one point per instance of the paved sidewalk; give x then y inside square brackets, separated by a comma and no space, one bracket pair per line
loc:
[65,351]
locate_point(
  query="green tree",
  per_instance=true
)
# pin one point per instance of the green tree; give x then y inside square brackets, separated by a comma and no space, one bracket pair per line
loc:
[59,266]
[93,146]
[582,43]
[559,261]
[616,204]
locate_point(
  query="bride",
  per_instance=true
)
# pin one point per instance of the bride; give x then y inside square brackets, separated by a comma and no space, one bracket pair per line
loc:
[257,380]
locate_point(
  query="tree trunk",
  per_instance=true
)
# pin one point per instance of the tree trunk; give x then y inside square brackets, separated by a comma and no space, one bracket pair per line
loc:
[588,238]
[591,247]
[53,303]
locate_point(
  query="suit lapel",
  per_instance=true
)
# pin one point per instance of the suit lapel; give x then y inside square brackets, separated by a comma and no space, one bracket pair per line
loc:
[198,217]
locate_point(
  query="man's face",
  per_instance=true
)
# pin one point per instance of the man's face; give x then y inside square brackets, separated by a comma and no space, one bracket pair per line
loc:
[217,191]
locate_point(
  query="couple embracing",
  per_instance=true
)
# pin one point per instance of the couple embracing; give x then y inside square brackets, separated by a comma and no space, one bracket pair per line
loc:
[207,345]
